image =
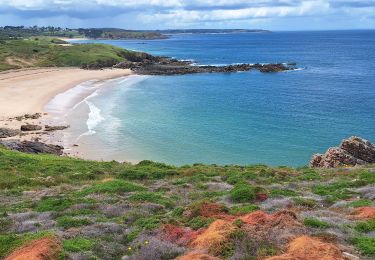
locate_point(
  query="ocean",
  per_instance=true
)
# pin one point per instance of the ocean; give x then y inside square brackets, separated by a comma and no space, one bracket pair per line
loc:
[237,118]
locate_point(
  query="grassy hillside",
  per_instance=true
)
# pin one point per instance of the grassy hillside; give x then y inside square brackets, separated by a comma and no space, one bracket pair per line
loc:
[50,52]
[105,210]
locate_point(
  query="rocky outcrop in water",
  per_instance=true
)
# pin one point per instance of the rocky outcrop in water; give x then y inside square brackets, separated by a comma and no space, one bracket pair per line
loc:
[7,132]
[351,152]
[33,147]
[146,64]
[174,67]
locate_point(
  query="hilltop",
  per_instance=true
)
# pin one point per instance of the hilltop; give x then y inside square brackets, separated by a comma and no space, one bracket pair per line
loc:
[71,208]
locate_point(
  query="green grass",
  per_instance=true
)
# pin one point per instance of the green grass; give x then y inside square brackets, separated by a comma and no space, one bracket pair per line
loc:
[365,226]
[366,245]
[199,222]
[53,204]
[47,52]
[148,222]
[315,223]
[283,193]
[244,209]
[112,186]
[152,197]
[69,222]
[361,203]
[78,244]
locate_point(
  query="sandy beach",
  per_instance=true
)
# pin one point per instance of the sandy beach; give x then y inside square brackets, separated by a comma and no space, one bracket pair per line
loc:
[28,91]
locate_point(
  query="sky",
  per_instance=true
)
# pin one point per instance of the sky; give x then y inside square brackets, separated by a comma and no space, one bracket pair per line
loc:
[286,15]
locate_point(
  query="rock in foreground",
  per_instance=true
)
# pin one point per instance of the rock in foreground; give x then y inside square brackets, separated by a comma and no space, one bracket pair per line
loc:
[32,147]
[353,151]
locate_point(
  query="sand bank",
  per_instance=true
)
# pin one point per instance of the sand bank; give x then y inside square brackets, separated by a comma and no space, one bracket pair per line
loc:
[28,91]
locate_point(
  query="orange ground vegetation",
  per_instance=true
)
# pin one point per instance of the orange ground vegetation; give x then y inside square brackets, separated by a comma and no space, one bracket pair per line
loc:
[196,256]
[209,210]
[364,213]
[41,249]
[179,235]
[277,228]
[306,247]
[215,237]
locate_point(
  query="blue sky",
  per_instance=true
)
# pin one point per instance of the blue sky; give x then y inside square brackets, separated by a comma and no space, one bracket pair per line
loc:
[165,14]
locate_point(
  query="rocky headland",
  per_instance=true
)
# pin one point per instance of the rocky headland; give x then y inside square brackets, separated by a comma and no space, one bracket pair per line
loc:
[146,64]
[351,152]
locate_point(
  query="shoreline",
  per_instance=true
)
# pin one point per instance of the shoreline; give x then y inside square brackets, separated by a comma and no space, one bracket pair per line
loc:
[29,91]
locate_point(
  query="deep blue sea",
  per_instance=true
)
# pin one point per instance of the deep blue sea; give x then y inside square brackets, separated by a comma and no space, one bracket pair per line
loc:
[240,118]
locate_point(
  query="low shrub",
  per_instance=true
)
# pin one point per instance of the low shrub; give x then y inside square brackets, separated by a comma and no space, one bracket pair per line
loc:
[283,193]
[243,193]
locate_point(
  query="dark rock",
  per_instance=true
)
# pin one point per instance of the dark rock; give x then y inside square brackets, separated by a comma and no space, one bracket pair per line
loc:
[7,132]
[32,147]
[33,116]
[28,116]
[55,128]
[31,128]
[353,151]
[146,64]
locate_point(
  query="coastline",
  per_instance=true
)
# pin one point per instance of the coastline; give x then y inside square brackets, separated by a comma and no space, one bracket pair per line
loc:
[28,91]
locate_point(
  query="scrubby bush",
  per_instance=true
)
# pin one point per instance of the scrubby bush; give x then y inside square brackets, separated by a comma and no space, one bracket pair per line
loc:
[243,193]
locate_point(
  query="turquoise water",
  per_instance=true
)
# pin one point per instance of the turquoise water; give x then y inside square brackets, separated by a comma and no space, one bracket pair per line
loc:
[241,118]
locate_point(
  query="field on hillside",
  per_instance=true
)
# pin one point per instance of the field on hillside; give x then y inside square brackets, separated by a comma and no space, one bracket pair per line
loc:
[108,210]
[50,52]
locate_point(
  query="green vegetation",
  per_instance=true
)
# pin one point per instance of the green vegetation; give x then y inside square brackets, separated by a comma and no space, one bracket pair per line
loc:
[241,210]
[53,204]
[365,226]
[112,186]
[78,244]
[69,222]
[101,209]
[365,244]
[50,52]
[199,222]
[14,32]
[151,197]
[243,193]
[361,203]
[283,193]
[315,223]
